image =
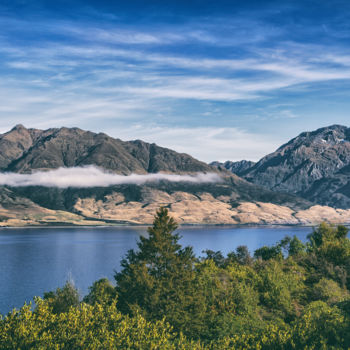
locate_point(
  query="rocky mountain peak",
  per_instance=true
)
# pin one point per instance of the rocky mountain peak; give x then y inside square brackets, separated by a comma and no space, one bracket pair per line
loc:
[333,134]
[329,135]
[18,127]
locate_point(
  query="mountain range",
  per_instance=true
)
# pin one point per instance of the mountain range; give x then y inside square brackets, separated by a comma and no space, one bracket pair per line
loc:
[254,199]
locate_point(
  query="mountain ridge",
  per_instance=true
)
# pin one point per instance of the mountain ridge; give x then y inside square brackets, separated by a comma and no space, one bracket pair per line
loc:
[24,150]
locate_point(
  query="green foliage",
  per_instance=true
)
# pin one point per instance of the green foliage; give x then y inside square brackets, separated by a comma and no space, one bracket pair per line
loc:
[320,327]
[241,255]
[158,280]
[102,291]
[326,232]
[295,246]
[63,298]
[291,247]
[280,288]
[216,257]
[331,243]
[329,291]
[85,327]
[289,296]
[328,255]
[231,299]
[267,253]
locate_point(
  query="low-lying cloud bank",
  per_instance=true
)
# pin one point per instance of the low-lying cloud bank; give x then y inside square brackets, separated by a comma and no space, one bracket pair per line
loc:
[91,176]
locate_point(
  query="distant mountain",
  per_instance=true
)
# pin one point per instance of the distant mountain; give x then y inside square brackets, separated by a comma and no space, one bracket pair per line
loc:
[23,150]
[230,201]
[237,168]
[314,165]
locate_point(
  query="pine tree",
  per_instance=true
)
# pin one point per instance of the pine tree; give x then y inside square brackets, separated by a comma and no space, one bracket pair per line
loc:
[158,280]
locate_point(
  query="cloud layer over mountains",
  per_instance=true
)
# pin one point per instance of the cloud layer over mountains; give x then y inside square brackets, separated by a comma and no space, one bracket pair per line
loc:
[91,176]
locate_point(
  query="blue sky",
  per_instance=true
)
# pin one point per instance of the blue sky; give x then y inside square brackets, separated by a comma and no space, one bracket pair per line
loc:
[216,79]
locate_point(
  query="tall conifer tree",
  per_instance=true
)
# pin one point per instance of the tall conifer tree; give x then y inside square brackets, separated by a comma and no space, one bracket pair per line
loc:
[158,280]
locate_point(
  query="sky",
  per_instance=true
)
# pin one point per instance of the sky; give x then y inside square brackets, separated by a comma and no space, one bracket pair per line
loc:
[220,80]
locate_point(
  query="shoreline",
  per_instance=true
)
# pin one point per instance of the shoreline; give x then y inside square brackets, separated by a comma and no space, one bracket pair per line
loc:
[70,226]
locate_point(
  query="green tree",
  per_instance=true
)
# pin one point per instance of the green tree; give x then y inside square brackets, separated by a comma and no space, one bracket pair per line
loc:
[217,257]
[329,254]
[296,246]
[329,291]
[241,256]
[280,286]
[102,291]
[63,298]
[267,253]
[230,299]
[321,327]
[326,233]
[159,279]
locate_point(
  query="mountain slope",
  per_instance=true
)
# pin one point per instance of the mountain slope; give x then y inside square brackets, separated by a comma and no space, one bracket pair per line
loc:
[313,165]
[333,191]
[224,203]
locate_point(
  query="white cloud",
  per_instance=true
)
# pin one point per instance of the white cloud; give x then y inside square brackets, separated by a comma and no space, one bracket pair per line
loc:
[106,71]
[91,176]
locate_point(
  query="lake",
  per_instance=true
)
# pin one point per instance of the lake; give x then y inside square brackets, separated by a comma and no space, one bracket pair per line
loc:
[37,260]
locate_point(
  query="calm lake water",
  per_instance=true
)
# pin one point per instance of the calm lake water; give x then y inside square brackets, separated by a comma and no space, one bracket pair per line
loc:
[37,260]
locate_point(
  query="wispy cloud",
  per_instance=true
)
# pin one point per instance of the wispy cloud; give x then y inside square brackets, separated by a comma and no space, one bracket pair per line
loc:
[90,176]
[135,72]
